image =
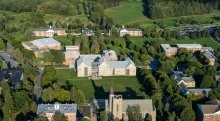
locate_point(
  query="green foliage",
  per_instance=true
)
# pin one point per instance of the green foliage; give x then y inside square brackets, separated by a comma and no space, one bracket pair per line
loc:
[134,113]
[207,82]
[2,45]
[59,117]
[163,9]
[78,96]
[103,116]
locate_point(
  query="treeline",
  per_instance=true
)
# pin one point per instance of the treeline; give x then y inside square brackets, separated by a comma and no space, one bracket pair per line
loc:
[171,8]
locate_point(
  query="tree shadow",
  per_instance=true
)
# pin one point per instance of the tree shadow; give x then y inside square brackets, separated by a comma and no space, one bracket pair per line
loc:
[25,117]
[146,7]
[100,93]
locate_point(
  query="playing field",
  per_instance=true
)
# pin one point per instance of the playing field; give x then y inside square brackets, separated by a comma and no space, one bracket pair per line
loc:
[129,87]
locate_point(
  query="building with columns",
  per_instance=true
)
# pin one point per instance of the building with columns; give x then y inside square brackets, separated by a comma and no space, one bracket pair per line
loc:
[48,110]
[49,32]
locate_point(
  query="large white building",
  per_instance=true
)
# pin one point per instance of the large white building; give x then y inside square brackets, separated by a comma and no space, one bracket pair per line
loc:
[97,66]
[41,45]
[49,32]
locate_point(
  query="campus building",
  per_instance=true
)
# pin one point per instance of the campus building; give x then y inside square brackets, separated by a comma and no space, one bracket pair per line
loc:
[97,66]
[210,58]
[116,106]
[41,45]
[48,110]
[49,32]
[169,51]
[190,47]
[210,111]
[71,55]
[110,55]
[130,31]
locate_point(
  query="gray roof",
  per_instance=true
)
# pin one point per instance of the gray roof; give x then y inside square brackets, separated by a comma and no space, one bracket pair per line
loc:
[44,42]
[201,91]
[209,55]
[52,108]
[146,105]
[210,107]
[89,59]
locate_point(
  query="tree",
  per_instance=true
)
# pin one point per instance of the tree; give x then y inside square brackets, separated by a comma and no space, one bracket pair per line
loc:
[41,119]
[207,82]
[59,117]
[58,56]
[77,95]
[8,107]
[2,45]
[187,114]
[103,116]
[134,113]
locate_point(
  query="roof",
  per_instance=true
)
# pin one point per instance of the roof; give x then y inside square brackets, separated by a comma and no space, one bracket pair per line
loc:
[72,54]
[201,91]
[210,107]
[209,55]
[168,48]
[75,47]
[13,75]
[45,42]
[109,54]
[189,45]
[89,59]
[188,79]
[57,107]
[146,105]
[87,31]
[206,49]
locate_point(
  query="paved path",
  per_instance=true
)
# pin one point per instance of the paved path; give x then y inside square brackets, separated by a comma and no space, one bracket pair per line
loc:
[9,59]
[37,87]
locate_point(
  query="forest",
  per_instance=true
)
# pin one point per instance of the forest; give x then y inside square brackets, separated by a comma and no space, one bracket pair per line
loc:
[157,9]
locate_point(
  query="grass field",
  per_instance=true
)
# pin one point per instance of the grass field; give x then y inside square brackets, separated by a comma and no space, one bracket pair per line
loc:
[127,12]
[129,87]
[131,12]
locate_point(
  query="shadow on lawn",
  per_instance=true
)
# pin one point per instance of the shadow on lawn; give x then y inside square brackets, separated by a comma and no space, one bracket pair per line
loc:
[100,93]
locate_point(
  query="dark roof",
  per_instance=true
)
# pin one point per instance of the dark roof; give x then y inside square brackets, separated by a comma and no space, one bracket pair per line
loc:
[13,75]
[87,31]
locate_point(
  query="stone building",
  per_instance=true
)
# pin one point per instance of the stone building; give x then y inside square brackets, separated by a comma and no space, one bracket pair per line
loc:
[48,110]
[130,31]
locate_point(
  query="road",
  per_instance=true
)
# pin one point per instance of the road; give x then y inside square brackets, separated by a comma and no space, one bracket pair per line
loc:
[7,58]
[37,87]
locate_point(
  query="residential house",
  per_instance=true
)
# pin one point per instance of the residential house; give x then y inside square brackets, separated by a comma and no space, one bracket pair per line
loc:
[13,76]
[116,106]
[48,110]
[41,45]
[98,66]
[49,32]
[210,111]
[130,31]
[169,51]
[88,32]
[110,55]
[217,76]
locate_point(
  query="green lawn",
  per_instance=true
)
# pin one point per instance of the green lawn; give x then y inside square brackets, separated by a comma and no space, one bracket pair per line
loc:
[128,12]
[129,87]
[64,40]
